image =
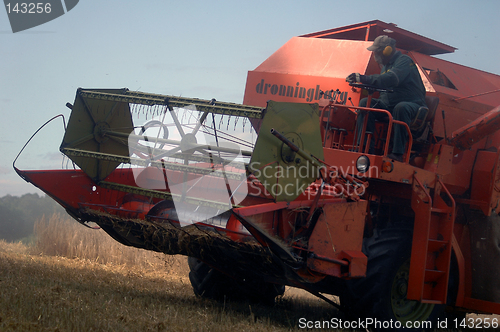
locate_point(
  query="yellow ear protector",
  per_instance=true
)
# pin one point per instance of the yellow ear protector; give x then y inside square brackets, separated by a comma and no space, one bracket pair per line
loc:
[387,51]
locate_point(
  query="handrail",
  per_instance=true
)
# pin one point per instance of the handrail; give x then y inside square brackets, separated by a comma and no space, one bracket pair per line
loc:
[406,157]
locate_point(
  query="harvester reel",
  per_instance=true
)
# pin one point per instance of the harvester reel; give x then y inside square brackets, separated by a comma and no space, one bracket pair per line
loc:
[101,135]
[188,142]
[181,209]
[157,145]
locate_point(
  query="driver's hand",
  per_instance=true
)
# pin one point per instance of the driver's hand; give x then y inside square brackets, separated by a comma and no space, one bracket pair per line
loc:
[356,78]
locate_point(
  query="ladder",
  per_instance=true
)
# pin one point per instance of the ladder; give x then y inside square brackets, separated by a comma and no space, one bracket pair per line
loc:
[432,242]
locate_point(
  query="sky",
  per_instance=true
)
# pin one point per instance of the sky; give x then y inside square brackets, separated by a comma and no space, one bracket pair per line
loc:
[200,49]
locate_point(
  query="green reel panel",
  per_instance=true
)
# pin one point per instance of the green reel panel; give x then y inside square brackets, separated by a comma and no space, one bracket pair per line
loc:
[88,124]
[282,171]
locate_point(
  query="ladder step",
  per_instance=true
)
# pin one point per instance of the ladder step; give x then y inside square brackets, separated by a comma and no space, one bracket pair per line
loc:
[438,210]
[431,301]
[436,245]
[433,275]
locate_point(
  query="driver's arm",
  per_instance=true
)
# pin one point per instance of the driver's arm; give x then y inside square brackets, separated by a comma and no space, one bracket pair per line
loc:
[393,76]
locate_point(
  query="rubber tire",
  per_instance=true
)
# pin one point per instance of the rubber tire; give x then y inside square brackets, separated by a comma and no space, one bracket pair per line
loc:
[210,283]
[374,296]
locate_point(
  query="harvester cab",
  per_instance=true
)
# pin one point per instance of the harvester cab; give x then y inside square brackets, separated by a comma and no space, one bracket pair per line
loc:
[280,190]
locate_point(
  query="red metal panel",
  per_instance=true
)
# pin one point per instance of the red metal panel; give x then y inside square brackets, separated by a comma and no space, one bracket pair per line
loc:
[421,203]
[482,306]
[462,91]
[338,230]
[303,66]
[318,57]
[483,179]
[458,180]
[72,187]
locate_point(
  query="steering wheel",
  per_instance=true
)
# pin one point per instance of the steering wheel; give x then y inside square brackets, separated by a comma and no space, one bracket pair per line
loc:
[370,88]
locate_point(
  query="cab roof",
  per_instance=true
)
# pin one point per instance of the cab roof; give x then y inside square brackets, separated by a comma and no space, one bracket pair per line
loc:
[368,31]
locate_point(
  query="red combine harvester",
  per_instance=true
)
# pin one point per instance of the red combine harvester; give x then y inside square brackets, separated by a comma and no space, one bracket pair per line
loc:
[303,204]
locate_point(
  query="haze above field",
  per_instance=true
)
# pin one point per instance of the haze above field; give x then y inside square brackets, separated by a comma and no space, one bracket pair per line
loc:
[189,48]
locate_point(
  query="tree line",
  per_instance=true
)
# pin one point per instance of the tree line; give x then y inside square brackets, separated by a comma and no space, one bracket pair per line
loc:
[18,214]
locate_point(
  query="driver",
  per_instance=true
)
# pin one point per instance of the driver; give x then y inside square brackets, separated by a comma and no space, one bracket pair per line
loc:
[400,74]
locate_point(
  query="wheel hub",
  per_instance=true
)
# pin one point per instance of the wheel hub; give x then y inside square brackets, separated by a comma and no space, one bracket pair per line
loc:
[187,143]
[407,310]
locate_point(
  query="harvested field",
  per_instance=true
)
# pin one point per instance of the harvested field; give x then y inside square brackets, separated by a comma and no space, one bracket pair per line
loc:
[117,288]
[77,279]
